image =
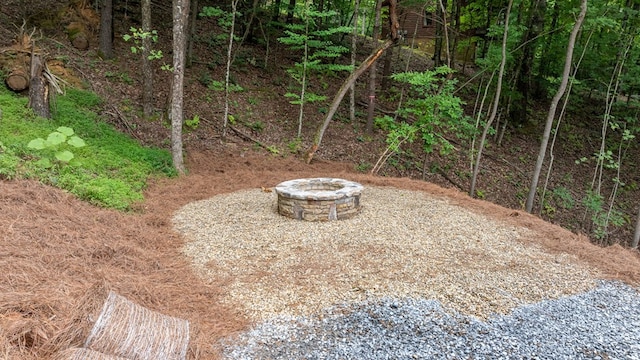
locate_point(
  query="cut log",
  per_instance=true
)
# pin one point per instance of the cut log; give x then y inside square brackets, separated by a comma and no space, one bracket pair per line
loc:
[17,80]
[39,88]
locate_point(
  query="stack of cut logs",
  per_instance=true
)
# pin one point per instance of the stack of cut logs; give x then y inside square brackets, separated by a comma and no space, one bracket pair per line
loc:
[15,60]
[25,65]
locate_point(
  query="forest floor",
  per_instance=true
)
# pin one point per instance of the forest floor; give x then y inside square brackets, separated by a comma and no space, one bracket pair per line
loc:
[60,254]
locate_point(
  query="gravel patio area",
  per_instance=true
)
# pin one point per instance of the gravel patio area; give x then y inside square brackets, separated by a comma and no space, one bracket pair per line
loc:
[402,244]
[411,277]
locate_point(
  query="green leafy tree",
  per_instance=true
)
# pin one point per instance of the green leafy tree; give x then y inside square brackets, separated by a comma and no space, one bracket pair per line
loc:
[227,20]
[317,49]
[430,114]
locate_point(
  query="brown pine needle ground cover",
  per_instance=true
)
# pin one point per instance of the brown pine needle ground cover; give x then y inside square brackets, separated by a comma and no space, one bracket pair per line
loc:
[59,257]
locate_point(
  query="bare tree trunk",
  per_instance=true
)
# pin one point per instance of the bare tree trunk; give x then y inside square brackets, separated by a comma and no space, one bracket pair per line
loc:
[437,52]
[554,104]
[106,30]
[455,31]
[234,5]
[386,71]
[372,71]
[147,72]
[496,101]
[303,86]
[320,8]
[192,32]
[560,118]
[276,11]
[525,80]
[38,88]
[612,94]
[354,42]
[290,10]
[407,64]
[543,68]
[249,24]
[636,236]
[443,7]
[180,17]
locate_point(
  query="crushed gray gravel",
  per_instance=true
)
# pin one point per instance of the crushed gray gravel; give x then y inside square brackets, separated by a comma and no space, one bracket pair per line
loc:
[603,323]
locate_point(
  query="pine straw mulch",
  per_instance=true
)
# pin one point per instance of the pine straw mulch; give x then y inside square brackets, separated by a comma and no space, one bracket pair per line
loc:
[59,257]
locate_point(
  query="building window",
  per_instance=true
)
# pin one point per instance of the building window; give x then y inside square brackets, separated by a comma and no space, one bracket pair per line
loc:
[427,19]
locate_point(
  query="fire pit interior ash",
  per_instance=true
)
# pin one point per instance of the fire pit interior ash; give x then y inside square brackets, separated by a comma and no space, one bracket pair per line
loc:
[319,199]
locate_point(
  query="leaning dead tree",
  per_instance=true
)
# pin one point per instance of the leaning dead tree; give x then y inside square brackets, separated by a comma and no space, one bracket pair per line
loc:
[366,64]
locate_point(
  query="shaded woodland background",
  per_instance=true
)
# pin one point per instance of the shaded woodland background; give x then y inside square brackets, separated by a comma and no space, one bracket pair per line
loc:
[592,186]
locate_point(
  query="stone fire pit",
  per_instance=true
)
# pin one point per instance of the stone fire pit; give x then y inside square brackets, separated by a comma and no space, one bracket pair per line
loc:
[319,199]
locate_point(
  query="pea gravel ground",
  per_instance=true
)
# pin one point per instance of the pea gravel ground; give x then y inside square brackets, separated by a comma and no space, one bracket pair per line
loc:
[408,265]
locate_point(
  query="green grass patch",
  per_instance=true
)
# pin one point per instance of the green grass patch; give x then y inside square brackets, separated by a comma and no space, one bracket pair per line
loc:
[112,169]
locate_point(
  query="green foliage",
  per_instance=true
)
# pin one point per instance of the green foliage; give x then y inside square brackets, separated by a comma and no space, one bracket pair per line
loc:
[363,167]
[430,112]
[216,85]
[398,132]
[8,162]
[308,98]
[600,218]
[224,20]
[137,36]
[58,144]
[111,170]
[273,150]
[256,126]
[318,51]
[563,197]
[122,76]
[294,145]
[192,123]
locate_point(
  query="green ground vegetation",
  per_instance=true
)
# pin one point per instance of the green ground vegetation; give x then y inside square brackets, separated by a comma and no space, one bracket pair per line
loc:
[109,169]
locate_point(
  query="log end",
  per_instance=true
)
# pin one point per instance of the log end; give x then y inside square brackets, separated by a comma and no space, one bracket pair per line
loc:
[17,80]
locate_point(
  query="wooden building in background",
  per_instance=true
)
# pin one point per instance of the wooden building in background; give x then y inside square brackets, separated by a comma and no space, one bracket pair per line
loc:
[416,20]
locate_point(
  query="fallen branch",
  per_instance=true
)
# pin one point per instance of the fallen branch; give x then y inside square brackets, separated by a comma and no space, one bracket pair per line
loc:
[120,116]
[247,137]
[378,108]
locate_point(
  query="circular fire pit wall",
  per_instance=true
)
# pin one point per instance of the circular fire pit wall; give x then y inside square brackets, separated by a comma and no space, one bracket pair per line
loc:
[319,199]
